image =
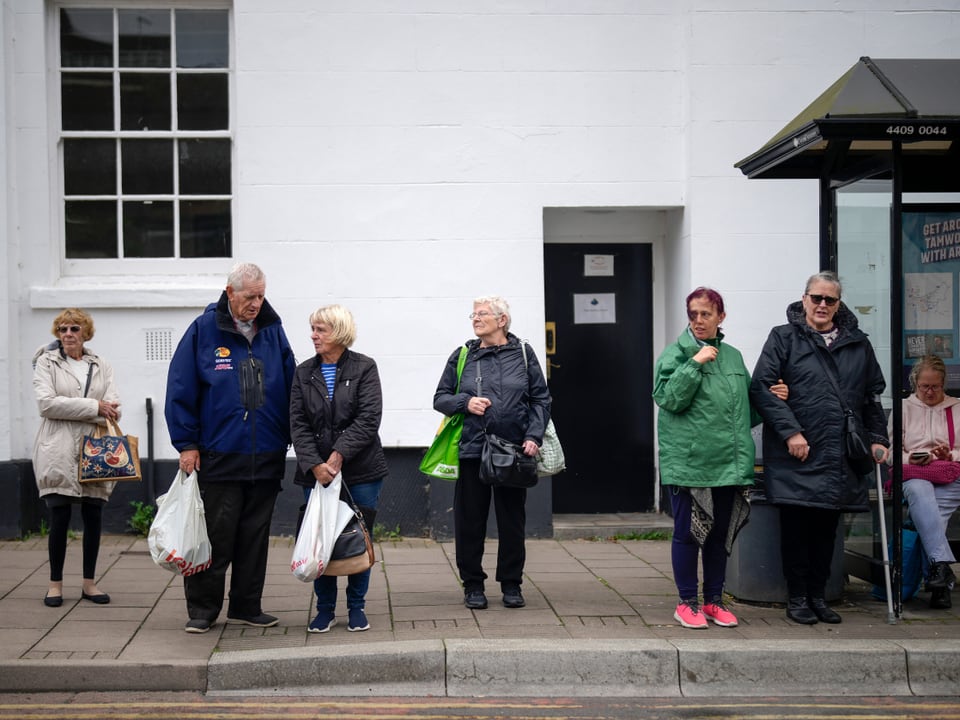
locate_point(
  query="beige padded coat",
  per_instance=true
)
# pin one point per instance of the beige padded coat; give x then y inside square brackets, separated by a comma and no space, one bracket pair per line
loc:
[66,416]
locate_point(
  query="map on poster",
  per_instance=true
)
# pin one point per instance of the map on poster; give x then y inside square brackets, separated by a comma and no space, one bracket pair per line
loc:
[931,265]
[928,301]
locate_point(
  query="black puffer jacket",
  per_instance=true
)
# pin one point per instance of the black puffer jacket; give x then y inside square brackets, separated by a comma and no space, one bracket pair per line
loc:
[825,479]
[520,401]
[350,424]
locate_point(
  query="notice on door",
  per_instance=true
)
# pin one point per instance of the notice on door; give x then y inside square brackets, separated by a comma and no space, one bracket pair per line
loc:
[594,309]
[598,265]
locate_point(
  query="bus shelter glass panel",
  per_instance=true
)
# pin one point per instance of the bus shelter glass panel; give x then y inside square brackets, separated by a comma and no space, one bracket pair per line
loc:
[931,290]
[863,221]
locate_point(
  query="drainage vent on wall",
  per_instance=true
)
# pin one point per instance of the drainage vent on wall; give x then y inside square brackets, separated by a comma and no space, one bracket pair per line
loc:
[159,344]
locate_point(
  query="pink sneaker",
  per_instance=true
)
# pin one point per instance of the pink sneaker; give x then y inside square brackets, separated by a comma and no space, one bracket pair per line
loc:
[720,615]
[688,614]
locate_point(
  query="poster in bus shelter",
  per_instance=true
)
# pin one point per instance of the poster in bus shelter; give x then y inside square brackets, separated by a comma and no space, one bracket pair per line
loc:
[931,268]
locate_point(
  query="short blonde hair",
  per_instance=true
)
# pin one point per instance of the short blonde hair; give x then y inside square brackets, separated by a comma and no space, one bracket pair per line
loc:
[343,330]
[74,316]
[498,305]
[927,362]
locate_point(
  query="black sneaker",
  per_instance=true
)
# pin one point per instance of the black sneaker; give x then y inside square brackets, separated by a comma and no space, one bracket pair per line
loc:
[262,620]
[197,625]
[475,600]
[512,598]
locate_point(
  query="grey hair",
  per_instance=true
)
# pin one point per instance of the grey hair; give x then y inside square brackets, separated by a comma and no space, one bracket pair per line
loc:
[343,330]
[927,362]
[241,272]
[498,305]
[824,276]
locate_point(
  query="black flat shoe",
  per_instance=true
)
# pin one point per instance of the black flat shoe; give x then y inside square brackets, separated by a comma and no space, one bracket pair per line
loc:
[799,610]
[824,612]
[99,599]
[53,600]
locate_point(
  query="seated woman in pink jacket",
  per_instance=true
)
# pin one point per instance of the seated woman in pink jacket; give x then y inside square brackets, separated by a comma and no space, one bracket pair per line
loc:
[931,468]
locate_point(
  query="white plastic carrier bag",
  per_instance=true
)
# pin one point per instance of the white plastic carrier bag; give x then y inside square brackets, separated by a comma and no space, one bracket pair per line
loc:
[178,535]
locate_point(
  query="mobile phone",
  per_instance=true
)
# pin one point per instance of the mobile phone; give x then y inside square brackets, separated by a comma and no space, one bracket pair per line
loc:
[919,455]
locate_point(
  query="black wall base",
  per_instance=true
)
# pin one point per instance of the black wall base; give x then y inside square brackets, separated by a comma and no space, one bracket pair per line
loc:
[411,505]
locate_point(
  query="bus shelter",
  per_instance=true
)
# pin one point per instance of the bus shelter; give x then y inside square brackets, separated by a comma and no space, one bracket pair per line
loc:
[882,142]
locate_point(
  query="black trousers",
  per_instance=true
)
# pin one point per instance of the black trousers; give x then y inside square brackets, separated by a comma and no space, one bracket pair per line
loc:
[61,507]
[471,507]
[238,523]
[807,537]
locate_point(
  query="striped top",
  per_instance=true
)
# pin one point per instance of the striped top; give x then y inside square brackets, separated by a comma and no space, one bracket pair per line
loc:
[329,371]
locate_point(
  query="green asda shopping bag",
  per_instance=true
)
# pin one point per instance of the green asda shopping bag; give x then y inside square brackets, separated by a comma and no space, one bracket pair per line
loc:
[442,459]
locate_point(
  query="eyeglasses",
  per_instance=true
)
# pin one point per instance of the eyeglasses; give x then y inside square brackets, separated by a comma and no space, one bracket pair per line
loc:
[929,388]
[68,328]
[482,314]
[817,299]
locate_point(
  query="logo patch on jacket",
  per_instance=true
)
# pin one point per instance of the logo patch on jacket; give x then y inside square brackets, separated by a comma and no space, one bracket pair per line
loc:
[224,361]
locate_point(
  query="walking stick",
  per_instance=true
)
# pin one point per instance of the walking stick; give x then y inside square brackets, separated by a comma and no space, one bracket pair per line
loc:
[891,617]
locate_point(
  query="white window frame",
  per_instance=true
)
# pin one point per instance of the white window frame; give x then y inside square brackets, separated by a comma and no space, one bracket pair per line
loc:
[128,273]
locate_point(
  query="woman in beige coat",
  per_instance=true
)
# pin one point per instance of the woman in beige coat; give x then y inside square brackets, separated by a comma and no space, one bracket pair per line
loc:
[74,390]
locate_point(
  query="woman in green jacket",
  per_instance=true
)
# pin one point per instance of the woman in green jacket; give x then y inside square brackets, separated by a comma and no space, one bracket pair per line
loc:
[707,454]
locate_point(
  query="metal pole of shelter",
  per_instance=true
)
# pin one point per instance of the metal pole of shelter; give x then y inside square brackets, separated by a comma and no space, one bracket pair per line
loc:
[896,372]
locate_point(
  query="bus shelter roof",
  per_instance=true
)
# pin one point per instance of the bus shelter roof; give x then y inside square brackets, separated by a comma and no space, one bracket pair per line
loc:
[849,131]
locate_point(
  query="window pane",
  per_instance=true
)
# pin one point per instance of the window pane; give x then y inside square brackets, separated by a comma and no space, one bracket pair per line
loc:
[86,38]
[147,167]
[144,101]
[144,38]
[202,39]
[148,229]
[203,102]
[86,101]
[205,167]
[205,228]
[89,167]
[91,229]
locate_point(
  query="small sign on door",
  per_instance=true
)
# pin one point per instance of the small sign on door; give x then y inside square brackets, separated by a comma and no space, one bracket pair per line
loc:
[598,265]
[594,309]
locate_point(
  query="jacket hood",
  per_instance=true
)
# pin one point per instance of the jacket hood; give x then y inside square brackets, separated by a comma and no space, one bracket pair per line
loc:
[266,316]
[844,319]
[52,345]
[942,405]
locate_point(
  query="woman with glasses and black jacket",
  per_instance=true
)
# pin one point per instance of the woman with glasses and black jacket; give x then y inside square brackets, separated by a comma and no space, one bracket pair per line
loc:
[806,471]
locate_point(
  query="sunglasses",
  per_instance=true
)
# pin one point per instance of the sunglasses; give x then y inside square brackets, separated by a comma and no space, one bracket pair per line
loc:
[68,328]
[817,299]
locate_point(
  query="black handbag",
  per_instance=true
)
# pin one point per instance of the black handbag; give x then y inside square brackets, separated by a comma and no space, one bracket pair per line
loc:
[504,464]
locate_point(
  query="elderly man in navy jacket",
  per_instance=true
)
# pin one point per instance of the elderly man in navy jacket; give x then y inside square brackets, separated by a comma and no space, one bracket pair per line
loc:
[227,411]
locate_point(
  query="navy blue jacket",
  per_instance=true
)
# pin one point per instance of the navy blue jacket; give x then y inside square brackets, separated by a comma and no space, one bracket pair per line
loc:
[230,399]
[520,399]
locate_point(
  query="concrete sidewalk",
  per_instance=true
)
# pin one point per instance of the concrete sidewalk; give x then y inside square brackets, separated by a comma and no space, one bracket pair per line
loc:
[598,621]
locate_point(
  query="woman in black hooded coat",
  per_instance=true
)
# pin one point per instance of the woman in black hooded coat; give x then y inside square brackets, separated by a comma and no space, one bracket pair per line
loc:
[806,473]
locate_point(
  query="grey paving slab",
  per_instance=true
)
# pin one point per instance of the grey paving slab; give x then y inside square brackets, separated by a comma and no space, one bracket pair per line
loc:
[578,592]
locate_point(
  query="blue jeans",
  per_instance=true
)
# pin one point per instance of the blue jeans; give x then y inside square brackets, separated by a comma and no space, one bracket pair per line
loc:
[931,507]
[365,495]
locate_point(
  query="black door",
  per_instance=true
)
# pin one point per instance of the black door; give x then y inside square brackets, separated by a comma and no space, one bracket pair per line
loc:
[601,375]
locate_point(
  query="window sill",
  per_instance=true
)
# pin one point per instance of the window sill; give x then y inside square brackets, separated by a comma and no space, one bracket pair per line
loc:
[195,292]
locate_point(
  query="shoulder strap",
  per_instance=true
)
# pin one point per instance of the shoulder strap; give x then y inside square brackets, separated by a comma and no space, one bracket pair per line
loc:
[523,349]
[89,376]
[830,377]
[461,361]
[950,430]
